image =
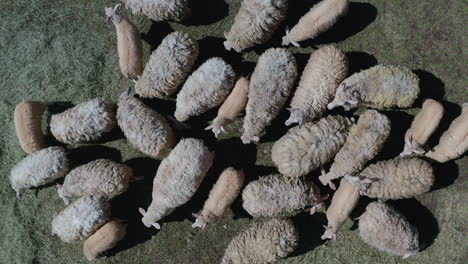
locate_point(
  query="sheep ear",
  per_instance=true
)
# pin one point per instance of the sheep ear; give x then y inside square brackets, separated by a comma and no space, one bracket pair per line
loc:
[195,215]
[255,138]
[226,34]
[117,7]
[142,211]
[295,43]
[209,127]
[156,225]
[353,102]
[58,186]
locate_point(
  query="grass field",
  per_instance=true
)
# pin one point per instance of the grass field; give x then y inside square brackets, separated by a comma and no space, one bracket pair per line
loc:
[63,52]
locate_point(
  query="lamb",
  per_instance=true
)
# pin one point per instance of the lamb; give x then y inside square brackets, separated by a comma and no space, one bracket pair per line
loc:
[394,179]
[342,204]
[263,242]
[104,239]
[320,18]
[364,142]
[101,177]
[85,122]
[168,67]
[129,45]
[160,10]
[270,86]
[232,107]
[306,148]
[422,127]
[326,68]
[454,142]
[41,167]
[223,194]
[274,195]
[378,87]
[81,218]
[384,228]
[206,88]
[144,128]
[28,125]
[177,179]
[255,23]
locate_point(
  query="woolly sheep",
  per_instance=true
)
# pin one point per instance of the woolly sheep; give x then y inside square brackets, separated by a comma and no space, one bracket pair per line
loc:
[262,242]
[384,228]
[28,125]
[255,23]
[378,87]
[326,68]
[306,148]
[104,239]
[128,43]
[223,194]
[274,195]
[270,86]
[39,168]
[422,127]
[320,18]
[206,88]
[177,179]
[160,10]
[85,122]
[81,218]
[101,177]
[168,67]
[144,128]
[342,204]
[232,107]
[394,179]
[364,142]
[454,142]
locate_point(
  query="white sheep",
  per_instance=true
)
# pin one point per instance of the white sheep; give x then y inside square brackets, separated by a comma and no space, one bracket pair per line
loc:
[378,87]
[270,86]
[28,125]
[168,67]
[104,239]
[320,18]
[255,23]
[207,87]
[81,218]
[85,122]
[222,195]
[325,70]
[177,179]
[160,10]
[41,167]
[143,127]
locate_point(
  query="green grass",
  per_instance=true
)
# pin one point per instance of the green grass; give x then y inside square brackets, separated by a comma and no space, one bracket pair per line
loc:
[62,52]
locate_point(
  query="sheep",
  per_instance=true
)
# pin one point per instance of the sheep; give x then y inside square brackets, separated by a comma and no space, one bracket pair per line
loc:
[326,68]
[28,125]
[207,87]
[364,142]
[144,128]
[104,239]
[168,67]
[177,179]
[274,195]
[454,142]
[306,148]
[270,86]
[255,23]
[160,10]
[232,107]
[129,45]
[81,218]
[378,87]
[101,177]
[384,228]
[222,195]
[262,242]
[394,179]
[85,122]
[342,204]
[320,18]
[422,127]
[41,167]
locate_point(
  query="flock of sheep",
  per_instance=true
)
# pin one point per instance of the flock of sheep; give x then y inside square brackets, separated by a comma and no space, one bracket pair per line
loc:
[318,139]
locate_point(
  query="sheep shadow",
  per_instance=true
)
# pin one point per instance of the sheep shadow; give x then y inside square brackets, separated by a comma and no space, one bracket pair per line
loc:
[310,231]
[359,61]
[84,154]
[157,32]
[445,174]
[431,87]
[218,10]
